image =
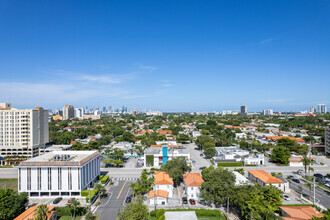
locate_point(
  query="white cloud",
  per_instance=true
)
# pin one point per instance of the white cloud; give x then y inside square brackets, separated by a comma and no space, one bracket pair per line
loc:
[167,85]
[145,67]
[266,41]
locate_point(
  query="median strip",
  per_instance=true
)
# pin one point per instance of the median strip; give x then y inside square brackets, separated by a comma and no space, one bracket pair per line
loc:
[121,190]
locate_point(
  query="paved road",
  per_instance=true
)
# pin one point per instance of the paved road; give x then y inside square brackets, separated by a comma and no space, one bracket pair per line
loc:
[109,208]
[321,197]
[195,155]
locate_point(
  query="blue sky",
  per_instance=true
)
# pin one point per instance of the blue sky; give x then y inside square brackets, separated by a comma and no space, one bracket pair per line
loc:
[180,55]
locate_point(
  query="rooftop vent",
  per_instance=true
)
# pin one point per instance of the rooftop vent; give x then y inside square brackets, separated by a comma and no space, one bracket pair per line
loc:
[62,157]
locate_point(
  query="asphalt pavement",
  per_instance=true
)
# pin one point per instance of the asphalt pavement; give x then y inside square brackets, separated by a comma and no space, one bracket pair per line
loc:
[321,197]
[110,206]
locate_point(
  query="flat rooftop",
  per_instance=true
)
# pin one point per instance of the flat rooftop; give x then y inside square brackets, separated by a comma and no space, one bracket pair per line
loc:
[62,158]
[170,150]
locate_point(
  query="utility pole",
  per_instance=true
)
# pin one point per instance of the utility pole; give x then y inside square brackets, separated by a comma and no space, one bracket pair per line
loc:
[314,191]
[227,205]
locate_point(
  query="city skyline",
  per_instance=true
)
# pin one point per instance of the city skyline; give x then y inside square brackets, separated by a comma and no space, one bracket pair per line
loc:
[183,56]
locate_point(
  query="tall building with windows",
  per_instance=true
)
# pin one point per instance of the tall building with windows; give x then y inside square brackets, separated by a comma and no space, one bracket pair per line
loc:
[68,112]
[78,112]
[268,112]
[58,173]
[327,140]
[22,131]
[321,108]
[312,109]
[244,109]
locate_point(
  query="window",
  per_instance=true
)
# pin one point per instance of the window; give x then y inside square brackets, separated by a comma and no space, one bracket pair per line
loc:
[49,178]
[59,178]
[28,178]
[39,178]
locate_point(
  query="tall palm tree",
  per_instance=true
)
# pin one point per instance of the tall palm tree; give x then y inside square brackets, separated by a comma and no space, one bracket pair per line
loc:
[41,212]
[100,188]
[73,206]
[306,161]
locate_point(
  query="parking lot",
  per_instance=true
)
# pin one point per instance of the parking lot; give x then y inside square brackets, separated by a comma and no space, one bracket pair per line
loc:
[49,201]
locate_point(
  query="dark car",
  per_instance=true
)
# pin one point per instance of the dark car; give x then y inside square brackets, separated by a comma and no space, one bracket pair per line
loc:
[57,200]
[296,180]
[108,165]
[217,205]
[201,155]
[202,168]
[192,201]
[290,177]
[202,202]
[128,199]
[184,200]
[318,175]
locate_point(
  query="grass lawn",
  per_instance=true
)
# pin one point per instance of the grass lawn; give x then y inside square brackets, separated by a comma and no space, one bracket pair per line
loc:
[10,183]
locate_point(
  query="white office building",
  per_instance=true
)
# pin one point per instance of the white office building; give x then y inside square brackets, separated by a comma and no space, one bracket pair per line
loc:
[78,112]
[22,131]
[58,173]
[268,112]
[160,155]
[321,108]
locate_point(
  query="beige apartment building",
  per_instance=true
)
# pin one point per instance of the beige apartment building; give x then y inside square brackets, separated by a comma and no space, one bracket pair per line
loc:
[68,112]
[22,131]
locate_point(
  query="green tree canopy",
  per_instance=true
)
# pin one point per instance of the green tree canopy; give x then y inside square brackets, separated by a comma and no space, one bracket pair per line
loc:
[201,140]
[218,184]
[12,204]
[280,154]
[135,210]
[176,168]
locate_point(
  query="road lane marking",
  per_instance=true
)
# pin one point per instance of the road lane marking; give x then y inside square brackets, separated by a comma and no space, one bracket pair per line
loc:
[121,189]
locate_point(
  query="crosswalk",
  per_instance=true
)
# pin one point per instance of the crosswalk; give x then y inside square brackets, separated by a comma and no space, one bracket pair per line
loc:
[126,179]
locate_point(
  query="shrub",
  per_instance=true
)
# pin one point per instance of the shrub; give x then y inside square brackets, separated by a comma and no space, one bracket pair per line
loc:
[100,177]
[6,166]
[160,213]
[149,160]
[65,211]
[230,164]
[104,179]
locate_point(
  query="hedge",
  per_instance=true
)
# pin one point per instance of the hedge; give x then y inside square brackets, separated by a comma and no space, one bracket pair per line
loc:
[85,193]
[65,211]
[104,179]
[150,160]
[100,177]
[199,212]
[230,164]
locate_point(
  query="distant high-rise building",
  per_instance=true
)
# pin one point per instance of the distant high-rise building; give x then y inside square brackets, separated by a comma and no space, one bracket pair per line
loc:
[244,109]
[78,112]
[110,109]
[327,140]
[68,112]
[22,131]
[321,108]
[268,112]
[104,109]
[312,109]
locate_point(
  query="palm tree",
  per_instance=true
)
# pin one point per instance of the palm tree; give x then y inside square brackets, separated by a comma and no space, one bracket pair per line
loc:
[100,188]
[41,212]
[73,206]
[306,161]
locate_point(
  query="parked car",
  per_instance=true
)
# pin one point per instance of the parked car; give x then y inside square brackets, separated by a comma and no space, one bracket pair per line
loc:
[202,202]
[57,200]
[290,177]
[192,201]
[202,168]
[193,161]
[318,175]
[184,200]
[128,199]
[296,180]
[201,155]
[286,197]
[109,165]
[70,200]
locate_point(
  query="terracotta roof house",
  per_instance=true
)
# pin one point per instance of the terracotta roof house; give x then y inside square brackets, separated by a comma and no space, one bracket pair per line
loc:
[299,212]
[30,213]
[263,178]
[192,183]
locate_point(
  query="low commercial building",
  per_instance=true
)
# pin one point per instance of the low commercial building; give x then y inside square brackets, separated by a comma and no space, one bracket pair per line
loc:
[235,154]
[327,140]
[50,148]
[192,183]
[157,156]
[299,212]
[296,161]
[264,179]
[58,173]
[30,213]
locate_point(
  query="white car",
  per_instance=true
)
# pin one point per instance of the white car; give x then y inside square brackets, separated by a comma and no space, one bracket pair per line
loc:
[286,197]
